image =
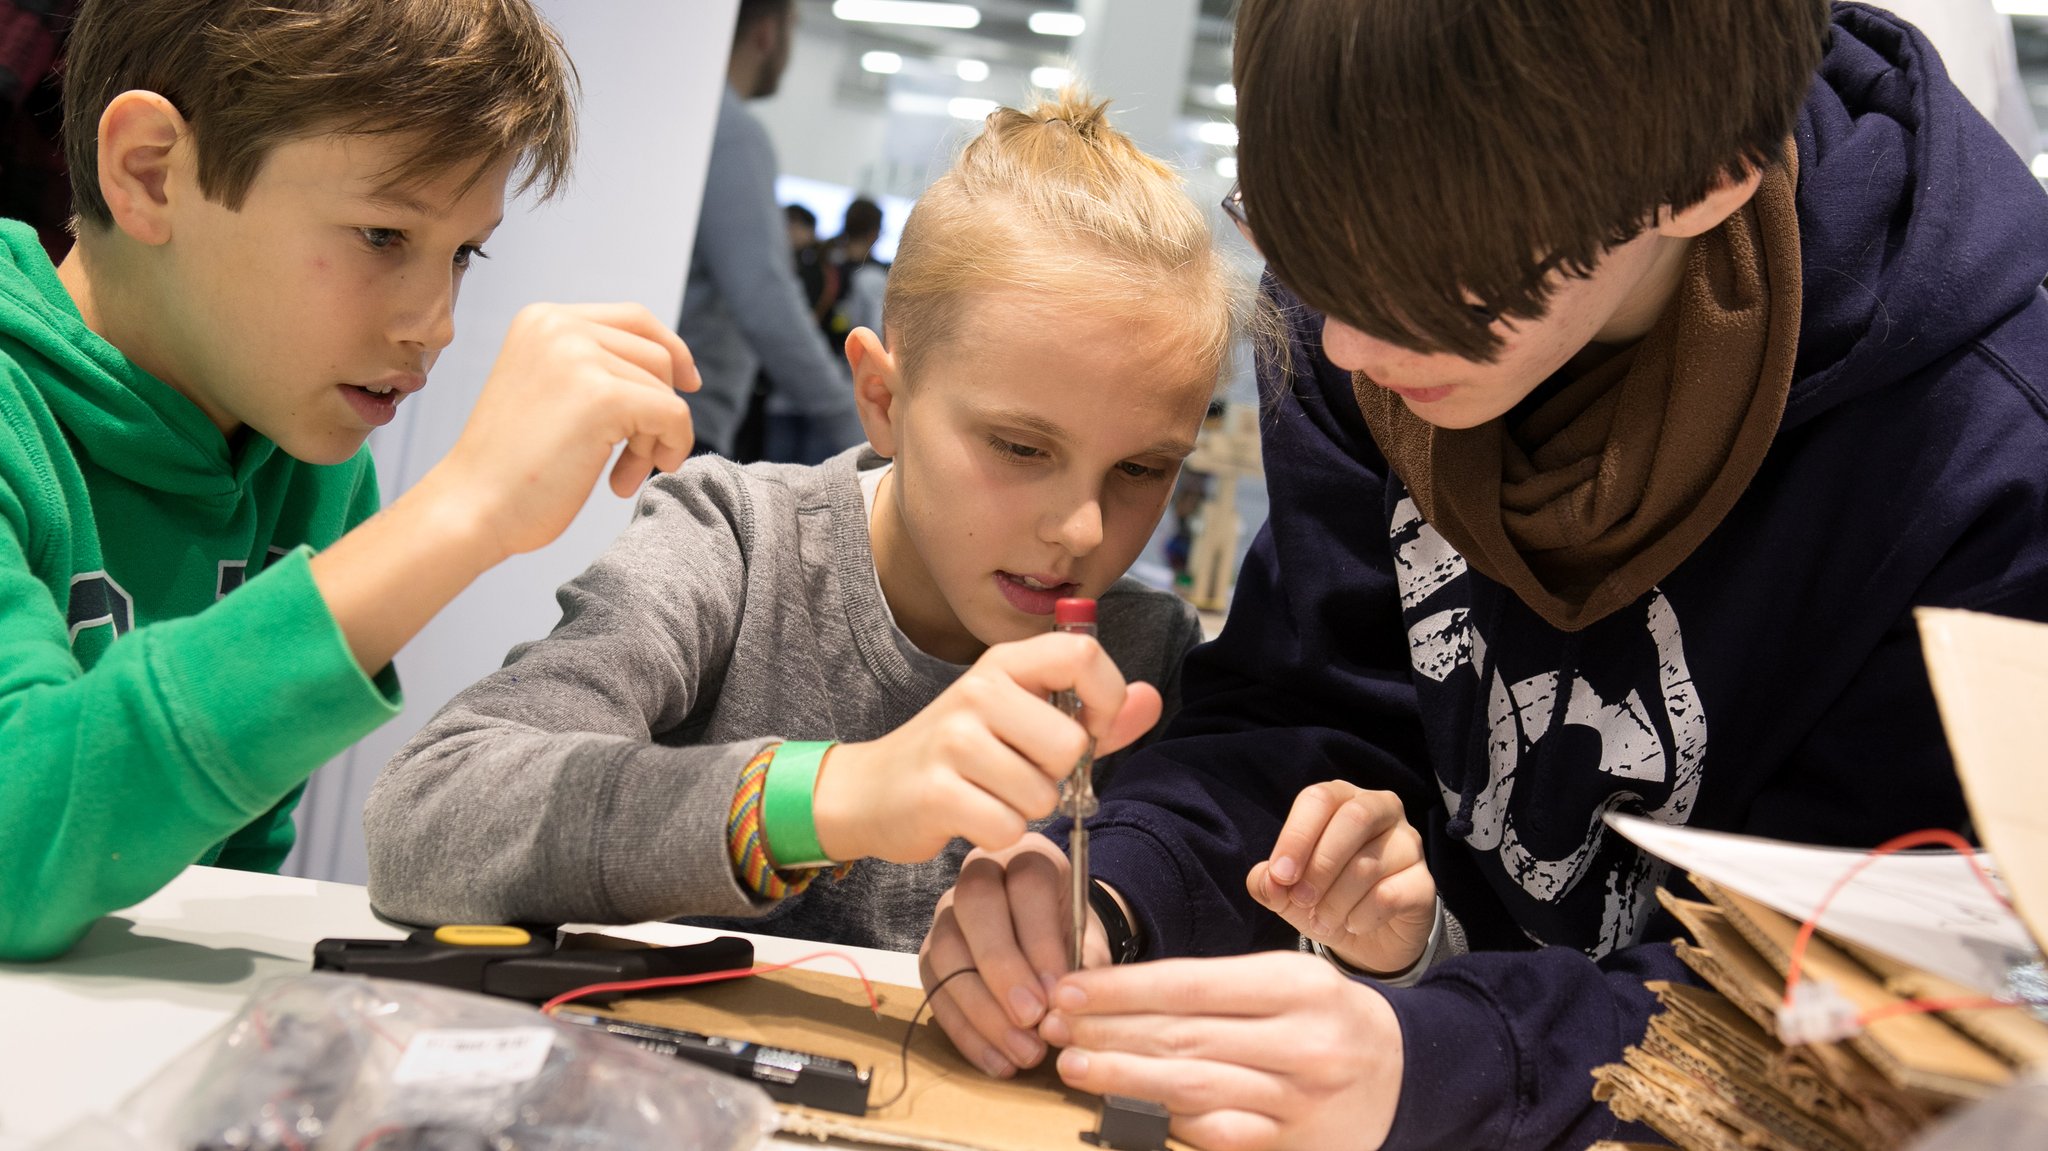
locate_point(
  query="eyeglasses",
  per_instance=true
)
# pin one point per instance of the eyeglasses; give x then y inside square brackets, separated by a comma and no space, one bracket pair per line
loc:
[1233,207]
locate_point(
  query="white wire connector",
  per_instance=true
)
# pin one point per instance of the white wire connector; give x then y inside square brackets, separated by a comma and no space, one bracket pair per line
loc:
[1817,1013]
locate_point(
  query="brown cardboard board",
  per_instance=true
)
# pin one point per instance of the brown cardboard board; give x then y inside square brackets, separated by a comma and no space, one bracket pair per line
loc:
[1990,677]
[2014,1036]
[1914,1052]
[950,1106]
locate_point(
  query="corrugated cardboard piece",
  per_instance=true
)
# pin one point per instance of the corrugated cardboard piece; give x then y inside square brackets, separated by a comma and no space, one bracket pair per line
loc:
[950,1106]
[1711,1074]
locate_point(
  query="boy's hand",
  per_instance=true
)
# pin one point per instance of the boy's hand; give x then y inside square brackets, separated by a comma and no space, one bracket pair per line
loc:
[1256,1053]
[1005,923]
[572,382]
[1347,871]
[983,759]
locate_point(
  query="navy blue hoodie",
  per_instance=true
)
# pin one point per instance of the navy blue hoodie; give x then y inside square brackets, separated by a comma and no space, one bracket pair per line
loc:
[1772,684]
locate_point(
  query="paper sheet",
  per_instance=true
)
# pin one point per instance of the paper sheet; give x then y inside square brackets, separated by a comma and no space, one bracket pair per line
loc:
[1923,909]
[1991,679]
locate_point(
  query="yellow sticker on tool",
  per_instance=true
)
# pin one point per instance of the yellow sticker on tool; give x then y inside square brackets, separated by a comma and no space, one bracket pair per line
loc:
[477,935]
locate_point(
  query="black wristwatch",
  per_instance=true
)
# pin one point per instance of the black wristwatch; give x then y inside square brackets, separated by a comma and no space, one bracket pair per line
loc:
[1123,937]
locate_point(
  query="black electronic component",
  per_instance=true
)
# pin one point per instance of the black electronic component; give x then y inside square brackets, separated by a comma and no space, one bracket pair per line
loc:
[787,1076]
[519,964]
[1130,1125]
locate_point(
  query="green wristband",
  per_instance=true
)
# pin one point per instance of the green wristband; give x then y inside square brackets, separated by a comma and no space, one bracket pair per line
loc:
[786,817]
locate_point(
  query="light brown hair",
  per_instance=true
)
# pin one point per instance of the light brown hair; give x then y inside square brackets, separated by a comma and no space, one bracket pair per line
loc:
[1056,204]
[1410,166]
[468,82]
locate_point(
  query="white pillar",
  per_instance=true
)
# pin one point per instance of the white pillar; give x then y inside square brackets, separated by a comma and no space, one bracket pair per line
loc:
[1136,53]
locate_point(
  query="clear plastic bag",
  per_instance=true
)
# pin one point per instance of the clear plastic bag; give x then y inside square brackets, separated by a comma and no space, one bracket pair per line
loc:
[342,1063]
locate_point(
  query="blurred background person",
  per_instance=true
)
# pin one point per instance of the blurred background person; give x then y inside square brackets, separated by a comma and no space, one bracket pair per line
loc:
[851,283]
[744,309]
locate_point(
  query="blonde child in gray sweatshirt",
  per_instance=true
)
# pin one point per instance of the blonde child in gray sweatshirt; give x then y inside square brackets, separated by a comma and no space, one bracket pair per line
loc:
[779,673]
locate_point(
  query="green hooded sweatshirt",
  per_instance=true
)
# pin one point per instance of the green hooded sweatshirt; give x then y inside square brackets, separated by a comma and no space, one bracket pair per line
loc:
[149,719]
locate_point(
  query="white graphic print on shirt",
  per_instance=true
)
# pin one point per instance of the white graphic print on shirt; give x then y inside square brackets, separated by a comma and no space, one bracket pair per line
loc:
[1520,715]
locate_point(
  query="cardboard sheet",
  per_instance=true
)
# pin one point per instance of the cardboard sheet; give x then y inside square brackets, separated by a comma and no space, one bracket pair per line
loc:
[950,1105]
[1990,679]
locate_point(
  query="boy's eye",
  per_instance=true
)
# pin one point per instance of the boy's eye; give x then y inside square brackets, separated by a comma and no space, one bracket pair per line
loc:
[380,239]
[468,252]
[1139,471]
[1015,451]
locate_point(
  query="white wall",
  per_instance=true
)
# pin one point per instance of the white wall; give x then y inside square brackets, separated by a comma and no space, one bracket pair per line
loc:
[651,73]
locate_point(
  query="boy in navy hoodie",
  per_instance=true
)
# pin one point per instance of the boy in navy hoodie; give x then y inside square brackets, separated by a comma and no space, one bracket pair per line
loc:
[1643,377]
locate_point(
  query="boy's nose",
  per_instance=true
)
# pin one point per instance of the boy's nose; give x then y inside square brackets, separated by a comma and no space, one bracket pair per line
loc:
[429,320]
[1079,531]
[1354,351]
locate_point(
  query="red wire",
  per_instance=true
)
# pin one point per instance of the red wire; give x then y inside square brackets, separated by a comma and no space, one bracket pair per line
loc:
[1899,843]
[1923,838]
[1919,1006]
[874,1003]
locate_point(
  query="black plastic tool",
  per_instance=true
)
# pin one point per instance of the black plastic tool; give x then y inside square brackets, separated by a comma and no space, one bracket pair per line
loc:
[521,963]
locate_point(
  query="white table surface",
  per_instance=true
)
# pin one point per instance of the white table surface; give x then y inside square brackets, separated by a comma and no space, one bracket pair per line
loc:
[79,1033]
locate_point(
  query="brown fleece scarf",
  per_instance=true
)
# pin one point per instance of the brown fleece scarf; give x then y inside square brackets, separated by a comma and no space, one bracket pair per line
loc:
[1607,486]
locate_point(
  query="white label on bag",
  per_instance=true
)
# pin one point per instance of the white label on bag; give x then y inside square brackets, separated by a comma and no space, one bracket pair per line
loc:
[474,1057]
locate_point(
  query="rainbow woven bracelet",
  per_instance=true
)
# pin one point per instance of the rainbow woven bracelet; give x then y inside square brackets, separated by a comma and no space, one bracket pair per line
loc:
[747,844]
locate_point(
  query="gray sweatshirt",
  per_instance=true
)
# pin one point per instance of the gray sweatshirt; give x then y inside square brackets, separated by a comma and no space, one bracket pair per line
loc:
[589,779]
[743,309]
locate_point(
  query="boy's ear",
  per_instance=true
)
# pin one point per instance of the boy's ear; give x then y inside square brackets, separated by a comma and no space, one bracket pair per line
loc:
[877,386]
[140,134]
[1725,199]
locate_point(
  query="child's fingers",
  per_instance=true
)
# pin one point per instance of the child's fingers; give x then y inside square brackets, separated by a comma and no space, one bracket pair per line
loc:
[965,810]
[1038,893]
[1403,903]
[1021,719]
[1270,895]
[657,426]
[1140,714]
[1006,781]
[964,1008]
[1058,661]
[1355,828]
[1304,827]
[669,359]
[1359,878]
[634,465]
[654,361]
[981,908]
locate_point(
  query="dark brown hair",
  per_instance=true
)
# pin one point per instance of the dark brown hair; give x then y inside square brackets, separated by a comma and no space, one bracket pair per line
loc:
[471,81]
[1407,164]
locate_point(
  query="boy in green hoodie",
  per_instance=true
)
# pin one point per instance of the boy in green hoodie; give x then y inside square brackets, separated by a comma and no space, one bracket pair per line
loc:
[276,202]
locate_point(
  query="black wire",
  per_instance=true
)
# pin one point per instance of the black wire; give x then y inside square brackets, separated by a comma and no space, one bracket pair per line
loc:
[909,1033]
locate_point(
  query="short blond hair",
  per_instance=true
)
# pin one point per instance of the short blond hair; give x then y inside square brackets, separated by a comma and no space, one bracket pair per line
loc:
[467,82]
[1053,200]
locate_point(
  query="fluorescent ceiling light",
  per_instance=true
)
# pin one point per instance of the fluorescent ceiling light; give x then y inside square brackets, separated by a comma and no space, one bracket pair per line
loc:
[884,63]
[1051,78]
[1226,95]
[972,71]
[1226,167]
[969,108]
[915,12]
[2021,7]
[1217,133]
[1058,23]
